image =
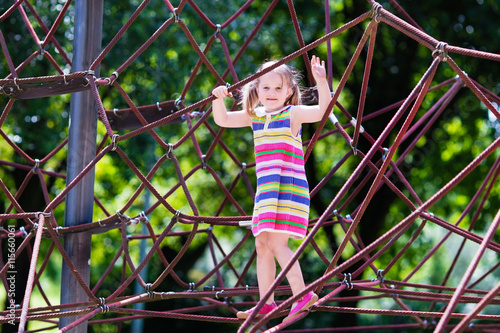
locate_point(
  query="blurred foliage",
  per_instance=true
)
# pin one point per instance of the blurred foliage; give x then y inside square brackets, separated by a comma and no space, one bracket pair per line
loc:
[161,73]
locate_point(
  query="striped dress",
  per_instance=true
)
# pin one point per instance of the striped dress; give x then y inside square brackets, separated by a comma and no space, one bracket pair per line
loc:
[282,196]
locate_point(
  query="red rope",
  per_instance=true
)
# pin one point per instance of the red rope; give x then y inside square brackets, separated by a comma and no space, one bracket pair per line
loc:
[378,172]
[31,274]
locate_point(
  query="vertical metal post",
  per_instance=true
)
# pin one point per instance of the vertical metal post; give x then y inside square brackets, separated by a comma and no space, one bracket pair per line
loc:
[81,150]
[137,325]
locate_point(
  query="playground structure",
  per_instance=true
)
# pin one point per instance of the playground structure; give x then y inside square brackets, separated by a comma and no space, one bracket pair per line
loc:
[71,237]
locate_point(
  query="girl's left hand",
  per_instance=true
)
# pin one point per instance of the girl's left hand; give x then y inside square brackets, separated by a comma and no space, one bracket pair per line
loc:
[318,68]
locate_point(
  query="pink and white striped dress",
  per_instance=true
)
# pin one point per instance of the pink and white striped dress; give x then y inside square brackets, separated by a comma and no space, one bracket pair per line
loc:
[282,196]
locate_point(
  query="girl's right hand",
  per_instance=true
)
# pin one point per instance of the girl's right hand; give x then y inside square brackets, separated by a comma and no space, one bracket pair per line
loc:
[221,92]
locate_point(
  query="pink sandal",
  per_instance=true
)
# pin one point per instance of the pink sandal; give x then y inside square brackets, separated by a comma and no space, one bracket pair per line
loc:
[303,304]
[262,312]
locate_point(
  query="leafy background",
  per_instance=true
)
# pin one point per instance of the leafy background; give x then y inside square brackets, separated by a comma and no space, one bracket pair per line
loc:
[159,74]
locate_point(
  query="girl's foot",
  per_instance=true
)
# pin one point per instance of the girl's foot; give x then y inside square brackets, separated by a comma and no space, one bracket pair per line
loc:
[302,305]
[262,312]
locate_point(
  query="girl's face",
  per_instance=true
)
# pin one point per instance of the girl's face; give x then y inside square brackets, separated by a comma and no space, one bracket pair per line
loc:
[272,91]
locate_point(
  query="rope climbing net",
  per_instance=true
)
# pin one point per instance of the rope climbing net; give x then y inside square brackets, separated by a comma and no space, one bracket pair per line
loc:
[448,306]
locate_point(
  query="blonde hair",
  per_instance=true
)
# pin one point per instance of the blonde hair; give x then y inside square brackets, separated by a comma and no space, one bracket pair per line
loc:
[291,77]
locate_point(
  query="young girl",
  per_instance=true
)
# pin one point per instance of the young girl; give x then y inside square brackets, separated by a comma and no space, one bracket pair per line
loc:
[271,106]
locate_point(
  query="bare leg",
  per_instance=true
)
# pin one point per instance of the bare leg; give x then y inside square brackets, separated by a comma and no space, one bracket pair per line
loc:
[278,243]
[266,266]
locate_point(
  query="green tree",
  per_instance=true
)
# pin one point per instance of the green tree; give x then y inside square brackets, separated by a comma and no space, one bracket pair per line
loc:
[161,73]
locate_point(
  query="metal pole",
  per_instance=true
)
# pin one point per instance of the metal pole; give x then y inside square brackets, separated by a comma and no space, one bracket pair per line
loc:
[81,150]
[137,325]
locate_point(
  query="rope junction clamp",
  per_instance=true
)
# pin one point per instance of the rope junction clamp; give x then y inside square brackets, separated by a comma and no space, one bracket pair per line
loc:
[121,216]
[354,149]
[158,107]
[89,72]
[192,286]
[127,219]
[133,221]
[144,216]
[115,73]
[150,292]
[347,281]
[33,230]
[333,119]
[113,142]
[24,231]
[384,155]
[177,102]
[176,215]
[375,12]
[217,31]
[394,287]
[106,79]
[204,162]
[176,15]
[42,49]
[169,151]
[243,167]
[17,85]
[380,276]
[440,50]
[245,224]
[217,293]
[116,114]
[37,165]
[353,123]
[102,305]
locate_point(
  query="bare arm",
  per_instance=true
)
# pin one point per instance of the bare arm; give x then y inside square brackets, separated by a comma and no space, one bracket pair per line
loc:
[314,113]
[224,118]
